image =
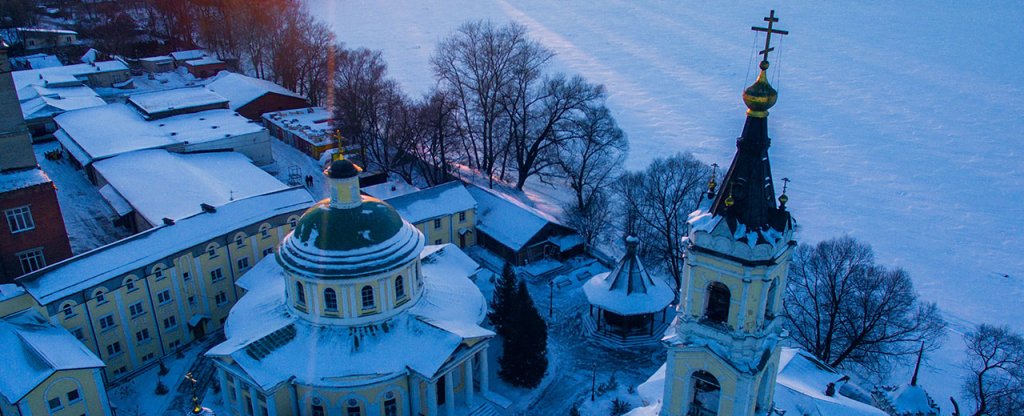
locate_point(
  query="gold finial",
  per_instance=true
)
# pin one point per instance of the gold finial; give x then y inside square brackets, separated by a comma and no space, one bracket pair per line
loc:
[760,96]
[783,199]
[711,182]
[340,154]
[197,407]
[728,200]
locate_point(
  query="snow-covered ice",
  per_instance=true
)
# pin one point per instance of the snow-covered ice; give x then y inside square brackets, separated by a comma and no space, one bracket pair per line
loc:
[894,128]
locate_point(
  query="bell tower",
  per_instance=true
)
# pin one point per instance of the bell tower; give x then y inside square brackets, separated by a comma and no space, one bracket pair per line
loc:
[723,347]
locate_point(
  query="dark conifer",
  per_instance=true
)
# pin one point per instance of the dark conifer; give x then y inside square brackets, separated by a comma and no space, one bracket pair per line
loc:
[503,299]
[525,360]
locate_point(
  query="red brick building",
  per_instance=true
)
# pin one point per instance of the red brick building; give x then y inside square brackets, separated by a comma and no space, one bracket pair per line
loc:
[252,97]
[32,232]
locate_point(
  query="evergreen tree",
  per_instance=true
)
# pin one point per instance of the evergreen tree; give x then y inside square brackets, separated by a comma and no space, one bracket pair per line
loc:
[503,299]
[525,360]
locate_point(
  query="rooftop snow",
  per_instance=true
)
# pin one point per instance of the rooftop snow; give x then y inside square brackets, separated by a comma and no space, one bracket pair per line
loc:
[39,76]
[34,349]
[445,199]
[421,339]
[20,179]
[184,181]
[105,131]
[800,388]
[157,59]
[40,102]
[156,102]
[505,219]
[600,293]
[241,90]
[206,60]
[187,55]
[89,269]
[310,124]
[389,189]
[37,61]
[9,291]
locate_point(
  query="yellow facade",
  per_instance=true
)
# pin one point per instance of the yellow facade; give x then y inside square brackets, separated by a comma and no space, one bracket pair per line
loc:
[64,393]
[131,320]
[457,228]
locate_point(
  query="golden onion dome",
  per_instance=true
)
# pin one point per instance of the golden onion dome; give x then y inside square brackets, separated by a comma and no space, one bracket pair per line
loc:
[760,96]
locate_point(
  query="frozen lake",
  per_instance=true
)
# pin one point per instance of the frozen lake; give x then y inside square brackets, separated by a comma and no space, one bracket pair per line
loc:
[899,123]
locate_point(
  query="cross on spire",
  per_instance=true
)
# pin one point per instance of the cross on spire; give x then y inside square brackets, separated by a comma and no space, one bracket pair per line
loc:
[771,19]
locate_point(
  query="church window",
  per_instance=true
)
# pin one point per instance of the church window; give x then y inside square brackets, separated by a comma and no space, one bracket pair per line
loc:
[367,297]
[300,294]
[390,405]
[399,287]
[330,300]
[769,305]
[293,222]
[706,394]
[352,408]
[718,303]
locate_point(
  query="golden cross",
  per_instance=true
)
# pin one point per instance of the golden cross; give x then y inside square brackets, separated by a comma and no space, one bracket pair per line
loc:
[771,19]
[341,152]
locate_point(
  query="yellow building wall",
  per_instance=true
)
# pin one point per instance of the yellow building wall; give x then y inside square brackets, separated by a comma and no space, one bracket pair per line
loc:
[18,304]
[59,385]
[448,232]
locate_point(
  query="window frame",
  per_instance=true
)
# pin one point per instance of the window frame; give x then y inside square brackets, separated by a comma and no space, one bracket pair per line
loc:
[24,213]
[372,304]
[330,302]
[33,258]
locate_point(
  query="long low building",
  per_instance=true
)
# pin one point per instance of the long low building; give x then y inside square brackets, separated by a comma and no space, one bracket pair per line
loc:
[148,295]
[127,182]
[98,133]
[518,233]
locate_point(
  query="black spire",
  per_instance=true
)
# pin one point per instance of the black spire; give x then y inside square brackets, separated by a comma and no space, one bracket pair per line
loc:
[747,194]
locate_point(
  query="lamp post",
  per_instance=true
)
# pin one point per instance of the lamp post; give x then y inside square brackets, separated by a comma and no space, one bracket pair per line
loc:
[551,298]
[593,384]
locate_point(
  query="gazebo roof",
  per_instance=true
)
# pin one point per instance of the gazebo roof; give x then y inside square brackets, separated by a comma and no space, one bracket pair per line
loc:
[628,289]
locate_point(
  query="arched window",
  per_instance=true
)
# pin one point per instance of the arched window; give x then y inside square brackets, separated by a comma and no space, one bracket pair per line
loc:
[399,287]
[68,312]
[706,394]
[300,294]
[367,297]
[718,303]
[390,404]
[769,305]
[330,300]
[353,408]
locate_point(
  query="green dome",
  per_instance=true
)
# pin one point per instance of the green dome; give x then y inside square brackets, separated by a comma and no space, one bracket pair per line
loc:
[344,229]
[332,242]
[343,168]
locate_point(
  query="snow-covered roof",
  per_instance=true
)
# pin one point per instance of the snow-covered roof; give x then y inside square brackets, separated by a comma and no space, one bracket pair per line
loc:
[40,102]
[206,60]
[89,269]
[39,76]
[157,59]
[906,400]
[311,124]
[36,61]
[156,102]
[241,90]
[115,200]
[184,181]
[389,189]
[101,132]
[187,55]
[273,346]
[47,30]
[444,199]
[801,384]
[10,290]
[628,289]
[34,349]
[506,219]
[21,179]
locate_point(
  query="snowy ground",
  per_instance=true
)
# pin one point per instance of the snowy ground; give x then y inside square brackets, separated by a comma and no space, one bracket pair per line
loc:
[138,397]
[88,218]
[898,122]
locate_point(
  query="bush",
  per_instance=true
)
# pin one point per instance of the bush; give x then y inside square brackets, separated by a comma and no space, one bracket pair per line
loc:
[163,369]
[161,388]
[619,407]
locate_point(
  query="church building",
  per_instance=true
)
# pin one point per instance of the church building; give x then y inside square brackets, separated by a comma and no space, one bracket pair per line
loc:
[723,348]
[353,317]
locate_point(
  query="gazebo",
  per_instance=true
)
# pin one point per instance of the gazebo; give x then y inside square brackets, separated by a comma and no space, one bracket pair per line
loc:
[627,306]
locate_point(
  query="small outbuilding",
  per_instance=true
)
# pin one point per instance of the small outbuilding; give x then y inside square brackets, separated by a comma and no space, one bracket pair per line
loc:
[627,305]
[205,67]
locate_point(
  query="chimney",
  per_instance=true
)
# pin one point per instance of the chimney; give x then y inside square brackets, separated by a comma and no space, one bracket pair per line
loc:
[168,221]
[207,208]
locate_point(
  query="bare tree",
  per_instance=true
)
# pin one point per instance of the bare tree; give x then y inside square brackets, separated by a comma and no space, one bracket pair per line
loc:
[476,65]
[592,151]
[656,202]
[436,149]
[535,111]
[995,359]
[845,309]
